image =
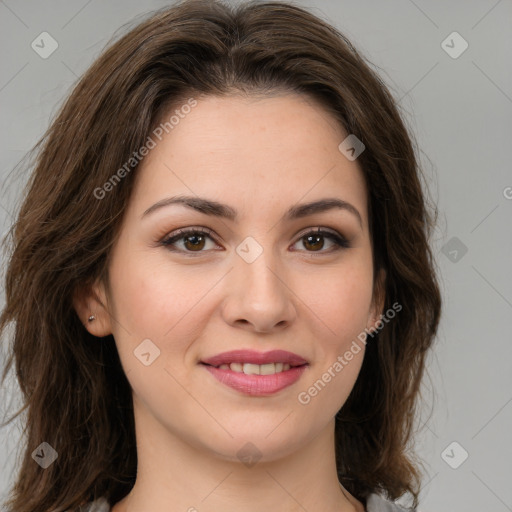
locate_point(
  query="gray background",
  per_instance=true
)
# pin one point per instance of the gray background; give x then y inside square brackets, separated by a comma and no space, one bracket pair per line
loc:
[460,109]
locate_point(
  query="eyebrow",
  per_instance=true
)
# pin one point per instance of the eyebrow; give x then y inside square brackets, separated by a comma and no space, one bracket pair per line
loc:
[217,209]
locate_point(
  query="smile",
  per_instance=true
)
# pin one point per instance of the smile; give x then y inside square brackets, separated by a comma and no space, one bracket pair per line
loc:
[256,369]
[256,373]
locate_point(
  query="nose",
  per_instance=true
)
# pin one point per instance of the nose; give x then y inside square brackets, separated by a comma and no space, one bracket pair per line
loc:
[258,296]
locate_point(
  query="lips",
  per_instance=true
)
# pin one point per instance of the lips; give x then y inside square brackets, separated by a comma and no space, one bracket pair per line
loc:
[257,358]
[253,373]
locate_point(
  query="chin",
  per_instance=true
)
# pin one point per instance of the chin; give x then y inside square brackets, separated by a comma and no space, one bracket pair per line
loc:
[250,445]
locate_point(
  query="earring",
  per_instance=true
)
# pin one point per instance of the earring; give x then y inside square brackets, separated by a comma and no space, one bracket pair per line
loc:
[91,318]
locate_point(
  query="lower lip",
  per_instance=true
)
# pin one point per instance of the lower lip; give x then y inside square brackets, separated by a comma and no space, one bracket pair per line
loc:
[257,385]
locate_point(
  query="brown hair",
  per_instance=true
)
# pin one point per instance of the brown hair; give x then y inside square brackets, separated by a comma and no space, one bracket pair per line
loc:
[75,392]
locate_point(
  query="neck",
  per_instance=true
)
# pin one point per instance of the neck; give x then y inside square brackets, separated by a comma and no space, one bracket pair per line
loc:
[173,475]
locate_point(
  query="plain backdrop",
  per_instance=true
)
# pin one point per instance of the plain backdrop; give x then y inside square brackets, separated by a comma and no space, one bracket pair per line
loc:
[458,103]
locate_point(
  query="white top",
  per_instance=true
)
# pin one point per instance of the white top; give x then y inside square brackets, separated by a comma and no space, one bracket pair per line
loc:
[374,503]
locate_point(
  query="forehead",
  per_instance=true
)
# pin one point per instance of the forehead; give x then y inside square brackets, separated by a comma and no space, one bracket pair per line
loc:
[255,150]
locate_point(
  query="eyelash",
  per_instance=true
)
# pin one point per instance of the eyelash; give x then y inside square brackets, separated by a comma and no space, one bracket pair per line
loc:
[339,241]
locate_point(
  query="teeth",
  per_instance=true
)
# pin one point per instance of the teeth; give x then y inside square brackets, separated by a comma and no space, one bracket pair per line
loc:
[251,369]
[267,369]
[256,369]
[236,367]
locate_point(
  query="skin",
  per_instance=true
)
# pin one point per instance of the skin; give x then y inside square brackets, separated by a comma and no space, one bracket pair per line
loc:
[260,156]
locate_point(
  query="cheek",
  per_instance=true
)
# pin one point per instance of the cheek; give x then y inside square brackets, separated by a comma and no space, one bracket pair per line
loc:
[150,293]
[160,301]
[340,301]
[341,310]
[142,295]
[145,300]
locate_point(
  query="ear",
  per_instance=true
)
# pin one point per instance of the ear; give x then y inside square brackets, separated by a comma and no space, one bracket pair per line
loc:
[92,300]
[378,301]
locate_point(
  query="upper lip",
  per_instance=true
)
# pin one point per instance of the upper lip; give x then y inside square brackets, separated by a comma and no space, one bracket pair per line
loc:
[254,357]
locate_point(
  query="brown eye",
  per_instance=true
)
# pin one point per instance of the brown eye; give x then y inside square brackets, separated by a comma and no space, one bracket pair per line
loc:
[314,241]
[193,240]
[196,242]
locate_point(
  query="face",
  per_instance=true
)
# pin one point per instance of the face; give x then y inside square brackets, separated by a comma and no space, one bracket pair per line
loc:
[248,272]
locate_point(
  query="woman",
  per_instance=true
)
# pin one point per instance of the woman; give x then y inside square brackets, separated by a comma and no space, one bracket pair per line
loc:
[220,277]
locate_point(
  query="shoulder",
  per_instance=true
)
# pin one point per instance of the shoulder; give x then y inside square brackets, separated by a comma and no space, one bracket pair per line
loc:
[99,505]
[376,503]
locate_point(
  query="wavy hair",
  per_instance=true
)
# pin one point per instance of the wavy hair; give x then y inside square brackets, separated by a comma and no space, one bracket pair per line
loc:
[75,394]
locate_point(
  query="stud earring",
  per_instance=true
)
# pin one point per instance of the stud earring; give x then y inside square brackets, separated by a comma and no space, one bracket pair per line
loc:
[91,318]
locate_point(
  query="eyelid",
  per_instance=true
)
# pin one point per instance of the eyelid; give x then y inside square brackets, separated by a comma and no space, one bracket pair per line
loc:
[178,234]
[319,229]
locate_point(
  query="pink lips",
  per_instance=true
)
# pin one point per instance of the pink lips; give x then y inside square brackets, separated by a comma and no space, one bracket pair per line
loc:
[256,385]
[251,356]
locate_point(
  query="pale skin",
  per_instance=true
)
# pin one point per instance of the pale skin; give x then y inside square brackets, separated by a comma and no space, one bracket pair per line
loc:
[260,156]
